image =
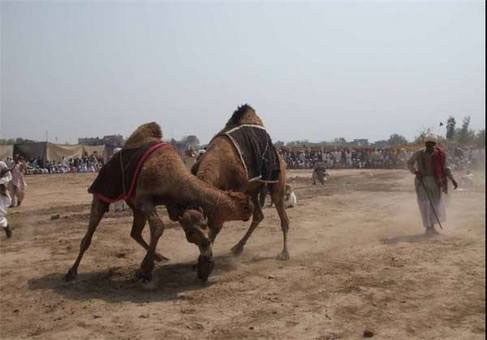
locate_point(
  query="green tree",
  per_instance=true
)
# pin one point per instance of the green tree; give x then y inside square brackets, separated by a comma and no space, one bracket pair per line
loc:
[396,139]
[480,138]
[450,128]
[340,141]
[191,139]
[465,134]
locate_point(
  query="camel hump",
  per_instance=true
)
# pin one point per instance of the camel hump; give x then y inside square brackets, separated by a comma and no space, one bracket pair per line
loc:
[244,114]
[144,134]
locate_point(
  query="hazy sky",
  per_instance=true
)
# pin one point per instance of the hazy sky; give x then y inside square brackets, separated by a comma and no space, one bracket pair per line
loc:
[316,71]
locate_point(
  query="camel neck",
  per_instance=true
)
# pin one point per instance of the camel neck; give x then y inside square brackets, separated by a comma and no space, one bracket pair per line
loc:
[211,199]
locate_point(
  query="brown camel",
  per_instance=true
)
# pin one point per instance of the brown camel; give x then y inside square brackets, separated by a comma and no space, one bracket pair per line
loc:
[164,180]
[222,167]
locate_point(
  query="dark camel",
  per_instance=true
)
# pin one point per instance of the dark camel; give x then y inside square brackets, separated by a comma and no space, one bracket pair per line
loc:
[221,167]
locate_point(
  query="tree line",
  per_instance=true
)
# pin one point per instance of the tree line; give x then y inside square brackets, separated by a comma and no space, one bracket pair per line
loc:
[463,136]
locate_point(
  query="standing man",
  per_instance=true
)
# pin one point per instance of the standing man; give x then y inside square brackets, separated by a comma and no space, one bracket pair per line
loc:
[5,177]
[17,184]
[429,166]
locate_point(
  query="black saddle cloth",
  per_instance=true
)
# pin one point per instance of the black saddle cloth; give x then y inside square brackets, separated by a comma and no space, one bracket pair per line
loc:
[118,177]
[258,154]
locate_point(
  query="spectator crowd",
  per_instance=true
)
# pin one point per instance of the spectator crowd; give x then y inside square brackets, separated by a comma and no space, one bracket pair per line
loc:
[296,158]
[369,158]
[66,165]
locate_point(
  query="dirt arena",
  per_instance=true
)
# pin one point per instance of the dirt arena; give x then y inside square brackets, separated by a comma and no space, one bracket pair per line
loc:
[358,264]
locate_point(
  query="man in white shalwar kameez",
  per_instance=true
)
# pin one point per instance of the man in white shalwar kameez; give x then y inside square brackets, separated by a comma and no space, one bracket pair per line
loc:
[17,184]
[429,166]
[5,178]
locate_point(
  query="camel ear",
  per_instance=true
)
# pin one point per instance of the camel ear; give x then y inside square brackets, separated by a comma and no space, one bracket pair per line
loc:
[204,223]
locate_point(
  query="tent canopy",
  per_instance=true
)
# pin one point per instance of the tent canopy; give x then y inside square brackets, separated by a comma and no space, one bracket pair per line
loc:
[6,151]
[56,152]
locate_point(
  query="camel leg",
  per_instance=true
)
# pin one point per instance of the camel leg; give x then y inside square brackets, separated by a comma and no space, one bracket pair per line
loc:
[98,209]
[205,260]
[262,196]
[136,233]
[284,255]
[257,217]
[156,230]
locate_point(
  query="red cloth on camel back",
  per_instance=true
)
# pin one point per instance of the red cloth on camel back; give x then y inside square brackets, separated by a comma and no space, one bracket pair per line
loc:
[117,179]
[439,158]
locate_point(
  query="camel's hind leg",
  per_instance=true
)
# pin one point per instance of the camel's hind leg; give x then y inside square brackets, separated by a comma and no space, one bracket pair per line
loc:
[98,209]
[257,217]
[136,233]
[156,230]
[262,196]
[278,191]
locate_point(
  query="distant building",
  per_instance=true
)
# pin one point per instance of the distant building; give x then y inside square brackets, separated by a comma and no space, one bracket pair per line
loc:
[111,140]
[90,141]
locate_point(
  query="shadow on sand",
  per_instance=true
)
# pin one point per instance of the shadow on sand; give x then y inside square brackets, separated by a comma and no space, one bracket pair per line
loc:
[117,284]
[411,238]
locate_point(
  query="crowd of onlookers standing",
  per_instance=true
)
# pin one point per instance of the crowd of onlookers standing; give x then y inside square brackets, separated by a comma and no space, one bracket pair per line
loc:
[339,158]
[86,163]
[360,158]
[297,158]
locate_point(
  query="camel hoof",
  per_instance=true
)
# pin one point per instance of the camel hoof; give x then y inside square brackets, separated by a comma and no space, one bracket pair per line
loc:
[160,258]
[237,250]
[204,267]
[283,256]
[143,277]
[70,276]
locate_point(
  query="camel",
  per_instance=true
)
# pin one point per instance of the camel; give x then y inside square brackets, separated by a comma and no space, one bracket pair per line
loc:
[222,167]
[164,180]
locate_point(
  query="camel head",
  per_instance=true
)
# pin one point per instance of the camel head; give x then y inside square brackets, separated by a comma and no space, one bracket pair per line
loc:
[243,207]
[191,218]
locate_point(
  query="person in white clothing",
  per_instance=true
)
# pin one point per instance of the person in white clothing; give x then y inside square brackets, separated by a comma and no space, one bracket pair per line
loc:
[17,183]
[5,201]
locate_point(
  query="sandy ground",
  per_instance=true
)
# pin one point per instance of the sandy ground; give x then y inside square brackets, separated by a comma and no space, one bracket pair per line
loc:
[358,262]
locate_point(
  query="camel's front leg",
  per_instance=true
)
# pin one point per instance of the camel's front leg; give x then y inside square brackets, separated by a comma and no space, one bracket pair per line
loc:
[98,209]
[191,221]
[136,233]
[257,217]
[205,260]
[156,230]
